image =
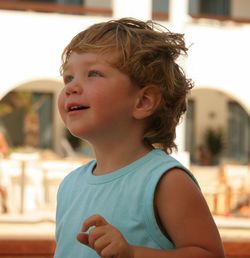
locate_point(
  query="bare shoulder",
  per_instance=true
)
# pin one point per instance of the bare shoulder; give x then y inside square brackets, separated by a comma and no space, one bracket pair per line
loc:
[184,214]
[179,182]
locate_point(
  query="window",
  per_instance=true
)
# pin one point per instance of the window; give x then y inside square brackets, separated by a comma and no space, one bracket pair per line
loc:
[238,139]
[209,7]
[27,119]
[160,9]
[190,129]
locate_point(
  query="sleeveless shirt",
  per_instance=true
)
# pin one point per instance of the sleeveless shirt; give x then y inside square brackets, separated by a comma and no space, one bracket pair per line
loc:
[125,198]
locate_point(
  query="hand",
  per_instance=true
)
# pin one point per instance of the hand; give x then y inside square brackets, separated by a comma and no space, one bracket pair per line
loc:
[104,238]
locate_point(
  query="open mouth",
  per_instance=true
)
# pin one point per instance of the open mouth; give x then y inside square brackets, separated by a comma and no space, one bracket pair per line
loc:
[76,108]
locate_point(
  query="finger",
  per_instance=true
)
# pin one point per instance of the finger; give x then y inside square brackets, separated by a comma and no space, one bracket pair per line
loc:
[100,244]
[95,220]
[87,238]
[83,238]
[115,250]
[109,251]
[96,234]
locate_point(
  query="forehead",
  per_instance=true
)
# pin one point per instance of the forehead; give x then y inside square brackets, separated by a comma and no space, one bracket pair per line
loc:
[88,59]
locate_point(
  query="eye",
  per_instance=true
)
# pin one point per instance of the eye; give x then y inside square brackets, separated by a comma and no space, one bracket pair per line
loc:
[67,78]
[94,73]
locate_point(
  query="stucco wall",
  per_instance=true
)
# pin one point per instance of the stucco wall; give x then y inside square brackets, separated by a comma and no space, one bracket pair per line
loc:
[219,58]
[240,8]
[31,46]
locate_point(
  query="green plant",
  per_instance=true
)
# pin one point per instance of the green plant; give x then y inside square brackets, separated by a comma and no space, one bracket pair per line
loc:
[214,141]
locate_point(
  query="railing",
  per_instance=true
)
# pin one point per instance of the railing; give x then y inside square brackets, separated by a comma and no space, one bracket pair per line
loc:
[31,183]
[226,188]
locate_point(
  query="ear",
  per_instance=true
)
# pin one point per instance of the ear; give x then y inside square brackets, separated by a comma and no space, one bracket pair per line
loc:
[149,99]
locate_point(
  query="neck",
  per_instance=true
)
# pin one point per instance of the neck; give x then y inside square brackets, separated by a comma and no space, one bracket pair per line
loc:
[117,156]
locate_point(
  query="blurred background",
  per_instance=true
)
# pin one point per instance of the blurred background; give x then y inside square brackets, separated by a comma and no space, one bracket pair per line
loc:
[37,151]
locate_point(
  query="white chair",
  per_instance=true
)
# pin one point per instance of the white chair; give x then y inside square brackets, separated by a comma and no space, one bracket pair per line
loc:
[26,181]
[53,173]
[212,186]
[237,178]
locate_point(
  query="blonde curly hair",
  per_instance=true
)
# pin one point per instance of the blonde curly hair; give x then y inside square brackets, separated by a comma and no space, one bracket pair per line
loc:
[147,53]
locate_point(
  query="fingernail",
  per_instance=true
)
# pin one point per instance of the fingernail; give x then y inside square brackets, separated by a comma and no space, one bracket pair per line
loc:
[89,229]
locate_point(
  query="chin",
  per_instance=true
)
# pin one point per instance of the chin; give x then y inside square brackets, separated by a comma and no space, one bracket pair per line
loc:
[77,133]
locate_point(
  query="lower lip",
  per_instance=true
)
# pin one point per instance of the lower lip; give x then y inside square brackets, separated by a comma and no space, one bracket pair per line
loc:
[74,112]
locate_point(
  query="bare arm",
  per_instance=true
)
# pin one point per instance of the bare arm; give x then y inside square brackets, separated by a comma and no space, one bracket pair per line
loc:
[184,214]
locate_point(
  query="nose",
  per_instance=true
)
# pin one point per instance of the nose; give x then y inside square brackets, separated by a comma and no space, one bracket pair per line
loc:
[73,88]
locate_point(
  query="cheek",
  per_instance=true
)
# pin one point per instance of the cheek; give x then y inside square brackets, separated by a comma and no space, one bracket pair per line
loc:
[60,105]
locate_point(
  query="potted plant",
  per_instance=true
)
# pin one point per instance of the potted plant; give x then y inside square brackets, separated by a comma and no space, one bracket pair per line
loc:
[214,143]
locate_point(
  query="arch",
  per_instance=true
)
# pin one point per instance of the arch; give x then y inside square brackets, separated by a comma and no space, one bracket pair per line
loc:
[220,112]
[42,86]
[239,97]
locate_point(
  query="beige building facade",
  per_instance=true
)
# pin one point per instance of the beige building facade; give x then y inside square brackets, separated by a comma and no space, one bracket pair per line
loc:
[218,62]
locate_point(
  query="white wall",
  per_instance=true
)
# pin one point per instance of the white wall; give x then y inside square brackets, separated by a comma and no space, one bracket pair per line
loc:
[219,58]
[31,46]
[132,8]
[240,9]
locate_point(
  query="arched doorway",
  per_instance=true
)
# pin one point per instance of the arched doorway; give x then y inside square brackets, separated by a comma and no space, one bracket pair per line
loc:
[219,125]
[28,115]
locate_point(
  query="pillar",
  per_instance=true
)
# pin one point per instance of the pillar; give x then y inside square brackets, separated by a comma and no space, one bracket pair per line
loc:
[131,8]
[178,16]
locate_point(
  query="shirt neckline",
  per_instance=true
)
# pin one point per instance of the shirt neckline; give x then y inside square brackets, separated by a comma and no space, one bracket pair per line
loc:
[92,179]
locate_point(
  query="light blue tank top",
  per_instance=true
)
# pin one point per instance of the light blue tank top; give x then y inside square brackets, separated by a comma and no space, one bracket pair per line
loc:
[125,198]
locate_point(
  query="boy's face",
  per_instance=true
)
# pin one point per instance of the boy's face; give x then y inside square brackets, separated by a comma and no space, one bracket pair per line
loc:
[97,101]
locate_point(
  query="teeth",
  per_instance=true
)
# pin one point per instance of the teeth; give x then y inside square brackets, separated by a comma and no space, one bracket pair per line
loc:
[75,107]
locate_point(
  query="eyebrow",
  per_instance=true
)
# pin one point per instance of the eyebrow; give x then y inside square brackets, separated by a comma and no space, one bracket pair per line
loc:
[87,63]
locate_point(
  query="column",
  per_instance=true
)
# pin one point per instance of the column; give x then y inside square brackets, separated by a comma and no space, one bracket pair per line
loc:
[178,14]
[132,8]
[178,17]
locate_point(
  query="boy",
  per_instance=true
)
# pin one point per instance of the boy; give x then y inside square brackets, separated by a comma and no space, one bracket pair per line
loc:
[124,93]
